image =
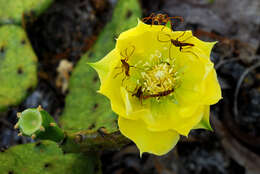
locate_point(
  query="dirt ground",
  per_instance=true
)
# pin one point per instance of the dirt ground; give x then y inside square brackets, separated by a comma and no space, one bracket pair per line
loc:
[69,28]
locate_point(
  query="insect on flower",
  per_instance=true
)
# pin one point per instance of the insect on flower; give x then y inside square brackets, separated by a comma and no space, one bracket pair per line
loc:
[163,37]
[159,94]
[161,19]
[125,54]
[141,96]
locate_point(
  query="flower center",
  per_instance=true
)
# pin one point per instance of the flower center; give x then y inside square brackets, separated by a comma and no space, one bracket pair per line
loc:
[156,79]
[159,78]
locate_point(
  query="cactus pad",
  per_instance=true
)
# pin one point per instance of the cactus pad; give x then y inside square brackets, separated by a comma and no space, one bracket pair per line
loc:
[46,157]
[12,11]
[85,108]
[17,65]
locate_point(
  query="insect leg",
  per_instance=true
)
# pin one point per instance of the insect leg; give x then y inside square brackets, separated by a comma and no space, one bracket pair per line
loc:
[181,35]
[118,73]
[149,17]
[146,19]
[187,38]
[121,53]
[126,56]
[123,81]
[132,51]
[190,51]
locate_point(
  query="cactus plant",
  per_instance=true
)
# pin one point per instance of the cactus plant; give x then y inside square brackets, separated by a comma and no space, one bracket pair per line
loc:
[13,11]
[17,65]
[38,124]
[45,157]
[85,108]
[89,123]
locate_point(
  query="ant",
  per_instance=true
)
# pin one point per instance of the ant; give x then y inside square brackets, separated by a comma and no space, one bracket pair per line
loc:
[176,42]
[161,19]
[125,66]
[139,94]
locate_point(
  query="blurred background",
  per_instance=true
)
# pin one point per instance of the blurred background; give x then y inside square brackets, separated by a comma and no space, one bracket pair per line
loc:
[67,29]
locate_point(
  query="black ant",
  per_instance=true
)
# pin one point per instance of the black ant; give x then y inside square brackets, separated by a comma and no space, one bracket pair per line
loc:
[176,42]
[161,19]
[125,66]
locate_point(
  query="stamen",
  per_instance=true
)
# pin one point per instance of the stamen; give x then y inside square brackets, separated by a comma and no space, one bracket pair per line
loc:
[156,78]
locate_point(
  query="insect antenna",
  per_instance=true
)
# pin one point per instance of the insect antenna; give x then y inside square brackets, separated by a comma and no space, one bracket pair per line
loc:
[169,40]
[181,35]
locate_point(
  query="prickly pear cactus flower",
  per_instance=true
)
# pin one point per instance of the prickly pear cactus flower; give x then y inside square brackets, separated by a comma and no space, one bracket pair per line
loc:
[161,84]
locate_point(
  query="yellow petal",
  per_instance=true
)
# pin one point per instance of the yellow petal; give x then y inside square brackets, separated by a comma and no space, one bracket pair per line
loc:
[105,65]
[111,89]
[212,90]
[173,117]
[205,121]
[163,116]
[193,76]
[110,85]
[158,143]
[140,29]
[144,38]
[135,110]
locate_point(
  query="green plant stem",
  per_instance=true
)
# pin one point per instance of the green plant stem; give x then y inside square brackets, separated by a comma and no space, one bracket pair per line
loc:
[90,140]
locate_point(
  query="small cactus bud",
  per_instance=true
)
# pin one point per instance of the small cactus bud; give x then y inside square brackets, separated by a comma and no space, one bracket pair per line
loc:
[37,123]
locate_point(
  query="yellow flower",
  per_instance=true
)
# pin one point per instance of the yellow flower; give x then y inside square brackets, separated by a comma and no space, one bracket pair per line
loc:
[159,90]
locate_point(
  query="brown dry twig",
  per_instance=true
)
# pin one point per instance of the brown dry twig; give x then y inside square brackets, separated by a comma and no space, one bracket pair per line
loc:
[237,151]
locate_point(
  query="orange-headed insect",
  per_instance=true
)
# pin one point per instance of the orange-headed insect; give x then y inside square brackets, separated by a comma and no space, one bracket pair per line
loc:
[163,37]
[126,54]
[161,19]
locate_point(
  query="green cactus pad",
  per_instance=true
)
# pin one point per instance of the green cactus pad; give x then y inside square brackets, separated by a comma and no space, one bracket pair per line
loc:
[85,108]
[17,66]
[12,11]
[46,157]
